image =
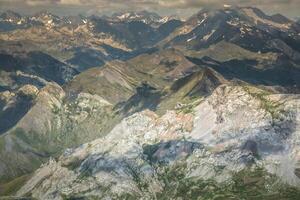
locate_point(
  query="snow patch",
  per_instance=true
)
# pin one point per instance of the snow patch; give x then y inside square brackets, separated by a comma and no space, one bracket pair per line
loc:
[192,38]
[233,23]
[200,22]
[206,37]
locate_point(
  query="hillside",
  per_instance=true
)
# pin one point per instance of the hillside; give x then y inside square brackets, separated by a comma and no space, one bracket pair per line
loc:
[139,106]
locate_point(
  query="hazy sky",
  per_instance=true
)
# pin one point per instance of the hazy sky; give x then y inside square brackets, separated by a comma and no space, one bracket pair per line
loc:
[184,8]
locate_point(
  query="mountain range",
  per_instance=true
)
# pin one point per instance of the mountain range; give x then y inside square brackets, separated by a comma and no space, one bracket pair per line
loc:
[139,106]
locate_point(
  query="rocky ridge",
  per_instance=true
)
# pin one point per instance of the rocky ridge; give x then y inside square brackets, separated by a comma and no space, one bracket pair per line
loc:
[234,129]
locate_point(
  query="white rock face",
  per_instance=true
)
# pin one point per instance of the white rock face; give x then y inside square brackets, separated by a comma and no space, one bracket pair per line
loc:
[236,127]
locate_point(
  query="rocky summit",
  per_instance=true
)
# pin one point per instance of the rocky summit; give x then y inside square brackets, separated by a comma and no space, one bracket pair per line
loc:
[237,136]
[139,106]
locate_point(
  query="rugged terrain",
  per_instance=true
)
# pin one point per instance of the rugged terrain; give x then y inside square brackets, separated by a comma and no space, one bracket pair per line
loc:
[138,106]
[239,136]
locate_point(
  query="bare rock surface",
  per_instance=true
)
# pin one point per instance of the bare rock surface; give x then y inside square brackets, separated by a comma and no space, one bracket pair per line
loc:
[237,128]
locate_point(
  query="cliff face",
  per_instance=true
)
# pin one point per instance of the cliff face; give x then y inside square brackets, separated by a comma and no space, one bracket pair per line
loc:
[235,140]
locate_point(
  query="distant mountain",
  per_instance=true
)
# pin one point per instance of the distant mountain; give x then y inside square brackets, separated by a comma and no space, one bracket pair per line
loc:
[10,16]
[150,18]
[32,67]
[75,21]
[77,43]
[85,42]
[246,27]
[47,19]
[10,20]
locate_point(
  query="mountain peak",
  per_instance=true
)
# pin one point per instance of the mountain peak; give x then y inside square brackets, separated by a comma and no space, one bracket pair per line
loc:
[144,16]
[46,18]
[9,14]
[43,13]
[250,15]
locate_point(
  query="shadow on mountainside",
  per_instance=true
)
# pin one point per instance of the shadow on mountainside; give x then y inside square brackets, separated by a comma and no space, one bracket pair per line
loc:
[283,73]
[13,113]
[146,97]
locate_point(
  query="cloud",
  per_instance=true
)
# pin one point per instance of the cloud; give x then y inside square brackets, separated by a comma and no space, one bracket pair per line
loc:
[165,3]
[288,7]
[186,4]
[177,3]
